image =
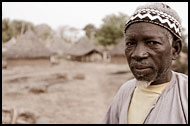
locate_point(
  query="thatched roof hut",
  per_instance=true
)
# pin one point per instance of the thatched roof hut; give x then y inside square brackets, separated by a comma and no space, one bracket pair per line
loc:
[82,48]
[119,49]
[85,51]
[28,46]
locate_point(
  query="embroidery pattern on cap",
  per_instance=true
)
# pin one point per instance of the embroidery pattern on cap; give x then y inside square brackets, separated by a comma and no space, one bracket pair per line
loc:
[156,17]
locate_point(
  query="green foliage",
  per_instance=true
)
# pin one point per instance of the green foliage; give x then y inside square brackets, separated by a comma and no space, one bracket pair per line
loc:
[184,47]
[16,27]
[184,44]
[181,64]
[90,30]
[43,31]
[6,30]
[111,31]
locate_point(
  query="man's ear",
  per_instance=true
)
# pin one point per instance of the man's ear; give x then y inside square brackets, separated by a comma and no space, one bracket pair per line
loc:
[176,48]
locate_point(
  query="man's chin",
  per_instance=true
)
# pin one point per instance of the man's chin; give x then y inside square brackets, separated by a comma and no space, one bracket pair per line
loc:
[145,81]
[147,77]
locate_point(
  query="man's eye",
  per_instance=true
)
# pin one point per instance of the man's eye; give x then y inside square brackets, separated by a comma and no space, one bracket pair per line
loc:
[129,44]
[152,43]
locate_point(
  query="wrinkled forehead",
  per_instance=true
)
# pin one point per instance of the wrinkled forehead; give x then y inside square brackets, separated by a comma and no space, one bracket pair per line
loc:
[145,29]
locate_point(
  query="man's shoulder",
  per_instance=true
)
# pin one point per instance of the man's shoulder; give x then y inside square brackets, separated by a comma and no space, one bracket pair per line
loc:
[182,82]
[181,77]
[125,90]
[128,84]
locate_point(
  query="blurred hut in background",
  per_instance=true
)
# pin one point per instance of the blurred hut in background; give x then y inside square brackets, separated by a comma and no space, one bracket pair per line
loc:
[84,50]
[26,49]
[118,53]
[59,48]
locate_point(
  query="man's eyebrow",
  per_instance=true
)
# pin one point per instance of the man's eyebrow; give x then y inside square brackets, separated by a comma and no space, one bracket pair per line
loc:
[155,37]
[130,36]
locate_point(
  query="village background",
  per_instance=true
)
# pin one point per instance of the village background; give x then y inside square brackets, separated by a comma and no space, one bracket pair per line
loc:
[65,75]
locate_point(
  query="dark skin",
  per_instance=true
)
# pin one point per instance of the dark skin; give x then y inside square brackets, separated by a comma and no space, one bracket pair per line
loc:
[149,53]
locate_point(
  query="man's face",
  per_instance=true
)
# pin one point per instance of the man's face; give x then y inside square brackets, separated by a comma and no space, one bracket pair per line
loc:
[148,51]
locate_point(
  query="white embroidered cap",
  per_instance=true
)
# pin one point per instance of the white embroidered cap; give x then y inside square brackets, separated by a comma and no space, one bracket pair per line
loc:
[159,14]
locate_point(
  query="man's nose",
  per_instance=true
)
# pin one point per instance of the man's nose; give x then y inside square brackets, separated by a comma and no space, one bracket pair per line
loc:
[140,52]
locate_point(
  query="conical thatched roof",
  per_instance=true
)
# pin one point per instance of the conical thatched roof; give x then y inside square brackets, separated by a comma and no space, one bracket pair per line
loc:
[28,46]
[119,49]
[82,48]
[98,48]
[58,45]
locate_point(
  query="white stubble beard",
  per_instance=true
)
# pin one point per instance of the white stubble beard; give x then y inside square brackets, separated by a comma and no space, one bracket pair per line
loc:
[143,83]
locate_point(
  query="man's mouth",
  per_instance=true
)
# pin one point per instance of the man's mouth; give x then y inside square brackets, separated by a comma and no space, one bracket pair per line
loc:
[143,71]
[140,69]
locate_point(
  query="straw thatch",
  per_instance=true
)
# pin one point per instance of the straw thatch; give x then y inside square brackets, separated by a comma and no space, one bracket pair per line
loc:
[119,49]
[82,48]
[58,45]
[85,52]
[28,46]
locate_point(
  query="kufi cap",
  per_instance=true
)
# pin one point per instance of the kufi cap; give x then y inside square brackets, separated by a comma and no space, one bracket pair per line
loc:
[159,14]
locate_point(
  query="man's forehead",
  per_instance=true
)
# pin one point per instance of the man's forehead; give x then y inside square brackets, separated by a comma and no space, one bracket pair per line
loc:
[146,29]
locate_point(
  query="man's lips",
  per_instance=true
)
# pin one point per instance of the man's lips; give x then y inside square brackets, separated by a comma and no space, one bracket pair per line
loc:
[141,68]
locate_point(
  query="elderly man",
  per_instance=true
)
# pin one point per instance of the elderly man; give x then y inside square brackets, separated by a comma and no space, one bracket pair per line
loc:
[157,95]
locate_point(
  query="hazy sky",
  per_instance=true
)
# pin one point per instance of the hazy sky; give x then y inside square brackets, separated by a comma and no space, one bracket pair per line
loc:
[77,14]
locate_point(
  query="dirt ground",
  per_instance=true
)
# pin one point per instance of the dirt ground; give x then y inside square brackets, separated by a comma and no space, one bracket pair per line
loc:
[69,92]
